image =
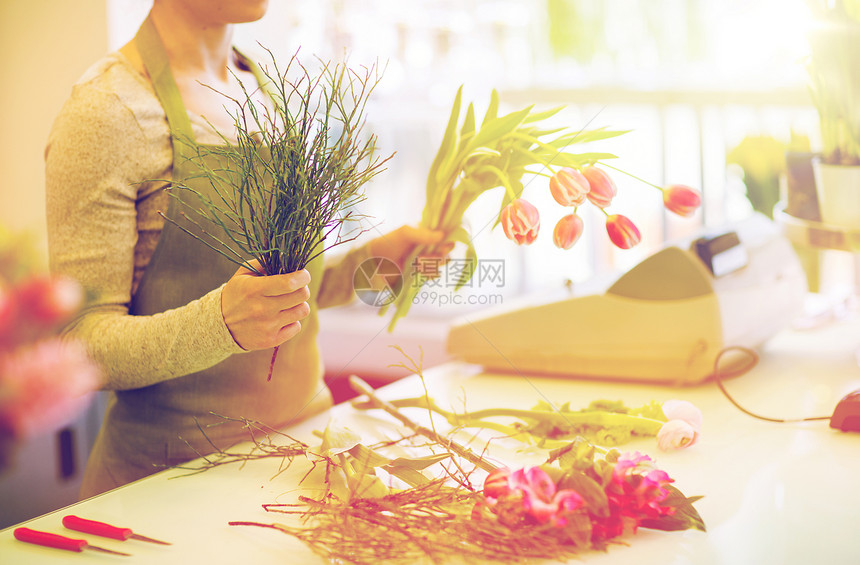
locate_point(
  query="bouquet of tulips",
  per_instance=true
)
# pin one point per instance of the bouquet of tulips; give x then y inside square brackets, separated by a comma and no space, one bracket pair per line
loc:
[499,152]
[43,380]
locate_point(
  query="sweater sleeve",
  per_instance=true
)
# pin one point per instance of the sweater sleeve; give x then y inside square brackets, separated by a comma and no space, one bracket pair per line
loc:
[98,159]
[337,286]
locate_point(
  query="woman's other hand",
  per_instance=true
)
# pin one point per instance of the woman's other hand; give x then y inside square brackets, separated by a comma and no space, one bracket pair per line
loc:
[265,311]
[399,244]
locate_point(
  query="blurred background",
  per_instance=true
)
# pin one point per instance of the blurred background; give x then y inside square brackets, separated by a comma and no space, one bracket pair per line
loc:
[713,91]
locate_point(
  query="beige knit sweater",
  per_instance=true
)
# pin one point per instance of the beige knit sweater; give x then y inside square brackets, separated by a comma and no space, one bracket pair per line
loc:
[103,225]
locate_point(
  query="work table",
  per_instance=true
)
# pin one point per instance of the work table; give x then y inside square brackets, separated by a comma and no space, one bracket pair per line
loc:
[773,492]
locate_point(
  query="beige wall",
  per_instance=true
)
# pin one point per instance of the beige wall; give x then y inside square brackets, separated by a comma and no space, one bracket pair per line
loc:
[45,45]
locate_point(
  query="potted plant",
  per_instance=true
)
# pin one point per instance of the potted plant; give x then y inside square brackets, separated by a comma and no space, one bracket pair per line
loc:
[834,73]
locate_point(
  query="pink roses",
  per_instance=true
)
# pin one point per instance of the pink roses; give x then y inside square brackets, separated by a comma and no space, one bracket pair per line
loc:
[621,493]
[529,495]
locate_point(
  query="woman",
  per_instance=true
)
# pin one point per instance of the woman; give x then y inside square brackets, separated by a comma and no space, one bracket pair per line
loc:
[179,332]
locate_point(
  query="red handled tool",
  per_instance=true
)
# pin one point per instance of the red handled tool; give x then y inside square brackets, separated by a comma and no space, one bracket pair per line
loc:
[59,542]
[105,530]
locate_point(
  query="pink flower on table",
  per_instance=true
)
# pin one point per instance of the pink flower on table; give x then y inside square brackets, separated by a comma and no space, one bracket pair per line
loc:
[538,490]
[683,426]
[675,409]
[681,199]
[567,231]
[602,188]
[676,434]
[531,495]
[635,492]
[627,463]
[623,233]
[569,187]
[43,385]
[520,221]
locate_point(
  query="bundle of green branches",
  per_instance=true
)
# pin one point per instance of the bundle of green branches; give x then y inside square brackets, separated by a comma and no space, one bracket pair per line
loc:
[287,184]
[293,168]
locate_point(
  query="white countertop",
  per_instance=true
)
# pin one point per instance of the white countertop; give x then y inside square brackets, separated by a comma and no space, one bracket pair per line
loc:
[773,493]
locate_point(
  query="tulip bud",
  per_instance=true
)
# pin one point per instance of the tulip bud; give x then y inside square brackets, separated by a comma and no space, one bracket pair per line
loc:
[676,434]
[567,231]
[569,187]
[622,231]
[520,221]
[601,188]
[496,483]
[681,199]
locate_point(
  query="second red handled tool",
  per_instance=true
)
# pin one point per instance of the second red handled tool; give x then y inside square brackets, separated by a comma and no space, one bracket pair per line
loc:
[105,530]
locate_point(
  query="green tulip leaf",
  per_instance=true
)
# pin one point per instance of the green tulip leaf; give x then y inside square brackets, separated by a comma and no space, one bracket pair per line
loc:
[493,108]
[468,127]
[499,127]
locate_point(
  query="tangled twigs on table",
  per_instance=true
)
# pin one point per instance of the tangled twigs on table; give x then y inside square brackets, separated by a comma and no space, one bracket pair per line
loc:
[429,523]
[263,448]
[362,387]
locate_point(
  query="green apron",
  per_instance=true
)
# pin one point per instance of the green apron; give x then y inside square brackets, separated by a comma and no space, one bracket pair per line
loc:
[149,428]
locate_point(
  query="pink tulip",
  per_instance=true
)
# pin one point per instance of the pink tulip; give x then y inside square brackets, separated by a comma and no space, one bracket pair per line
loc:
[569,187]
[567,231]
[496,483]
[676,434]
[622,231]
[681,199]
[520,221]
[602,188]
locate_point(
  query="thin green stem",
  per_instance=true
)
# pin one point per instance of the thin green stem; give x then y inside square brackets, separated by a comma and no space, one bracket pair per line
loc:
[604,164]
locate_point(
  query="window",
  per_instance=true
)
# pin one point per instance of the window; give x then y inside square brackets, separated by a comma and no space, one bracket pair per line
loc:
[690,78]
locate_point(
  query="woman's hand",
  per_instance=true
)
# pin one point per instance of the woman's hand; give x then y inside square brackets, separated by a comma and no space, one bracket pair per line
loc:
[399,244]
[265,311]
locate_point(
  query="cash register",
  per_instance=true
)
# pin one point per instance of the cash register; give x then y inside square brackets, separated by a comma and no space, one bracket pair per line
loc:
[665,320]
